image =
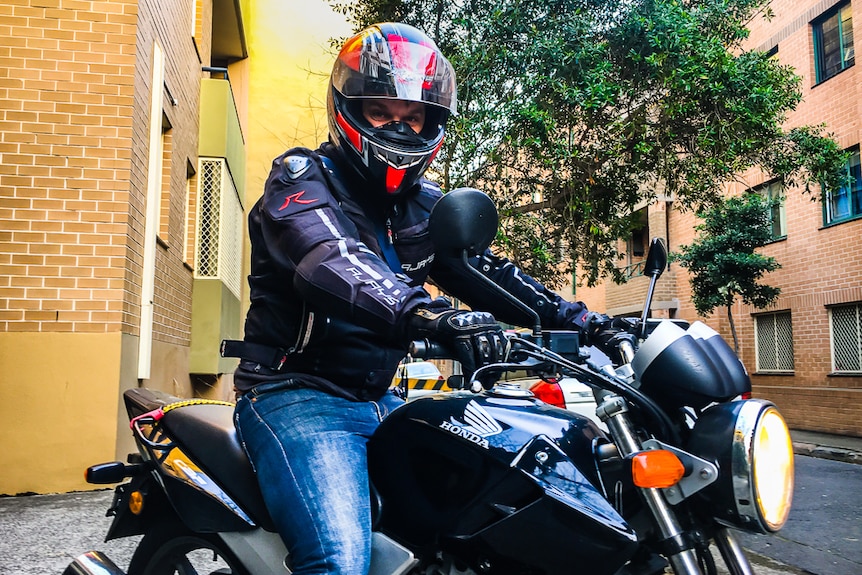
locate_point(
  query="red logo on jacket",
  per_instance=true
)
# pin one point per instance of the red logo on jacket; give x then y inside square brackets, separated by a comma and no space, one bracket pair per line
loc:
[297,198]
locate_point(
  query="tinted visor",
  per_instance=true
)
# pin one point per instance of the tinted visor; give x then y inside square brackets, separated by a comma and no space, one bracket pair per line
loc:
[395,61]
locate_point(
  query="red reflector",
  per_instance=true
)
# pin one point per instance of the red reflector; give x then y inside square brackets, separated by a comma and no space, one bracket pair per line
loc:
[746,395]
[549,393]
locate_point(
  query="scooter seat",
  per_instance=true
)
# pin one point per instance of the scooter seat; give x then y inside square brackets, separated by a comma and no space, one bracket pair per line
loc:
[206,434]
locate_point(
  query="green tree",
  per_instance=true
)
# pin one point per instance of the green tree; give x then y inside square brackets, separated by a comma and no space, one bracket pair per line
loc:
[722,260]
[578,111]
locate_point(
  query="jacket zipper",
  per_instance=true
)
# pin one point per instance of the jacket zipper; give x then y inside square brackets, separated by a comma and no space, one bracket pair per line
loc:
[304,334]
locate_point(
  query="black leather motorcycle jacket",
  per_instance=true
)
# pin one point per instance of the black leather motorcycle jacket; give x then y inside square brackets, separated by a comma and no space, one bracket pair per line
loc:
[335,275]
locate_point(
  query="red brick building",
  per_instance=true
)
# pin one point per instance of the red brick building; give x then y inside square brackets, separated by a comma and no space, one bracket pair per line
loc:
[805,352]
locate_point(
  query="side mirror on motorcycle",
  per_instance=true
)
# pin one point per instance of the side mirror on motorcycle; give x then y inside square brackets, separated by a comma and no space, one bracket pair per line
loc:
[463,219]
[656,259]
[654,265]
[462,224]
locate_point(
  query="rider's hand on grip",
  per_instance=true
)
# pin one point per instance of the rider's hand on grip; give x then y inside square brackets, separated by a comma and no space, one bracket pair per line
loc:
[607,334]
[594,323]
[475,337]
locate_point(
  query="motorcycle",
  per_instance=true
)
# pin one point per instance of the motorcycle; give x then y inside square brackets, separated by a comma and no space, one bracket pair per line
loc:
[488,479]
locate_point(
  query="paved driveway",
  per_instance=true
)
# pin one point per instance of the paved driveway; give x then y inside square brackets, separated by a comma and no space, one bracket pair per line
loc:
[42,534]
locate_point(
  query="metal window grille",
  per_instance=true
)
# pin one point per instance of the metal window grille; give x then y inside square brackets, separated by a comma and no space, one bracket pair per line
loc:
[846,324]
[219,226]
[774,333]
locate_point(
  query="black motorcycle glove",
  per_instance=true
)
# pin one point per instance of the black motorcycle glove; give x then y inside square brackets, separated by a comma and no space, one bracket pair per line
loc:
[474,336]
[594,323]
[607,334]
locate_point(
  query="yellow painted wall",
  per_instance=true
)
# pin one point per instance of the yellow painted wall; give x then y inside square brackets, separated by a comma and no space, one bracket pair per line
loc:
[288,68]
[62,417]
[280,89]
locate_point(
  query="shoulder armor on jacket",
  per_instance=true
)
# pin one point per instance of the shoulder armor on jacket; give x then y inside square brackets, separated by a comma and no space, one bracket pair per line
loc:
[295,185]
[296,166]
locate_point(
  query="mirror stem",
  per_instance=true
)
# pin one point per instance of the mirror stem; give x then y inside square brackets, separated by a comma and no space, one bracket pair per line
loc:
[537,321]
[648,304]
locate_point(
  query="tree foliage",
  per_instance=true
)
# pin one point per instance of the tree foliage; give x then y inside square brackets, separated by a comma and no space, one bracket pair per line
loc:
[722,261]
[574,112]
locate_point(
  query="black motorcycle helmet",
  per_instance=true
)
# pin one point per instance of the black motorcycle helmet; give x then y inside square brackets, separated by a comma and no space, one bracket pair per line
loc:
[398,62]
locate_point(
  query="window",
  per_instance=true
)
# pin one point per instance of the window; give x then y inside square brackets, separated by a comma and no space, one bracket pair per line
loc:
[777,217]
[774,336]
[846,331]
[846,203]
[164,217]
[219,225]
[188,230]
[833,42]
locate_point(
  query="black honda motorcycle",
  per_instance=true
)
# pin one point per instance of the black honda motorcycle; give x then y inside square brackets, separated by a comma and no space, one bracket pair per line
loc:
[484,481]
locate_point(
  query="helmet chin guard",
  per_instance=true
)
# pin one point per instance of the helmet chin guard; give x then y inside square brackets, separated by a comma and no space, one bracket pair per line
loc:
[397,62]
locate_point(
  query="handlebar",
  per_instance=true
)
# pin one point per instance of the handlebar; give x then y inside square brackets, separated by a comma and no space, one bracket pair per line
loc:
[526,354]
[427,349]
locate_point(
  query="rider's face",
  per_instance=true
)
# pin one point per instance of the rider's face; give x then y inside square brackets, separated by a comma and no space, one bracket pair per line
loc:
[381,111]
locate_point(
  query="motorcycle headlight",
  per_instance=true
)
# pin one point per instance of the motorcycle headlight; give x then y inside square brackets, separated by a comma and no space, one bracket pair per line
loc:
[750,443]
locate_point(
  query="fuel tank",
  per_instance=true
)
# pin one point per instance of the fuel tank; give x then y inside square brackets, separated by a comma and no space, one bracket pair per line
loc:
[504,483]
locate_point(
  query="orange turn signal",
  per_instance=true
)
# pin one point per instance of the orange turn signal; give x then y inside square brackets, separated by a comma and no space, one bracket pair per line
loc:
[136,502]
[656,468]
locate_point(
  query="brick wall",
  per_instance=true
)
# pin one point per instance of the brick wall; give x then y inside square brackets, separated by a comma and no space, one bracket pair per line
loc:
[820,265]
[169,22]
[66,101]
[75,85]
[74,109]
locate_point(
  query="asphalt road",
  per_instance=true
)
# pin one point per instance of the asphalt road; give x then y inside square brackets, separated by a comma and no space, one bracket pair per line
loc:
[41,534]
[823,534]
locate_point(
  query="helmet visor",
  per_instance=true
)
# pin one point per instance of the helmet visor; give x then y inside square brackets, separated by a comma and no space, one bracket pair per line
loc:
[395,61]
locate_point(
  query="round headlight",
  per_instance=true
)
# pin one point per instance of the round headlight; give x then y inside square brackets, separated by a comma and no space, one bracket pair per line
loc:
[750,443]
[771,461]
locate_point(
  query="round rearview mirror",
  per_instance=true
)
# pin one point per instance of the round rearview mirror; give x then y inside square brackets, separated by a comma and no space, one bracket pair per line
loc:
[463,219]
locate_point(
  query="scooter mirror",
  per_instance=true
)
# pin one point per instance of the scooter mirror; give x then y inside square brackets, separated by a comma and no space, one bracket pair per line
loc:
[463,219]
[656,259]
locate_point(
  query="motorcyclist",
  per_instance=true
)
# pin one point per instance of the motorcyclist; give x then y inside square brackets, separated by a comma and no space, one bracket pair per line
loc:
[340,253]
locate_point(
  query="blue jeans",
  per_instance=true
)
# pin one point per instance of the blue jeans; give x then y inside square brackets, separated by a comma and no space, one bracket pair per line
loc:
[309,451]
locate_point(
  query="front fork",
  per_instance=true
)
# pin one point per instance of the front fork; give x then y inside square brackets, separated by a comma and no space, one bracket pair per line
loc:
[732,553]
[614,412]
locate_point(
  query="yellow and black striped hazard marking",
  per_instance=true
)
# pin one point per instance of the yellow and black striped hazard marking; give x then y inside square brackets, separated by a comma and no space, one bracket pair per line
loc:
[432,384]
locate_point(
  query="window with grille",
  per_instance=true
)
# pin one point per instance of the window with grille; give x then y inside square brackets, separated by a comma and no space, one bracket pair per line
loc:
[219,226]
[833,42]
[846,328]
[774,336]
[845,203]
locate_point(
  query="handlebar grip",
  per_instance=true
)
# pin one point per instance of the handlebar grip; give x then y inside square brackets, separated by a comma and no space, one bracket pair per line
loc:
[427,349]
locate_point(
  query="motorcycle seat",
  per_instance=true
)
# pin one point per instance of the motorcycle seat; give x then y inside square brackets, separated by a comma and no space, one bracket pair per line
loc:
[205,433]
